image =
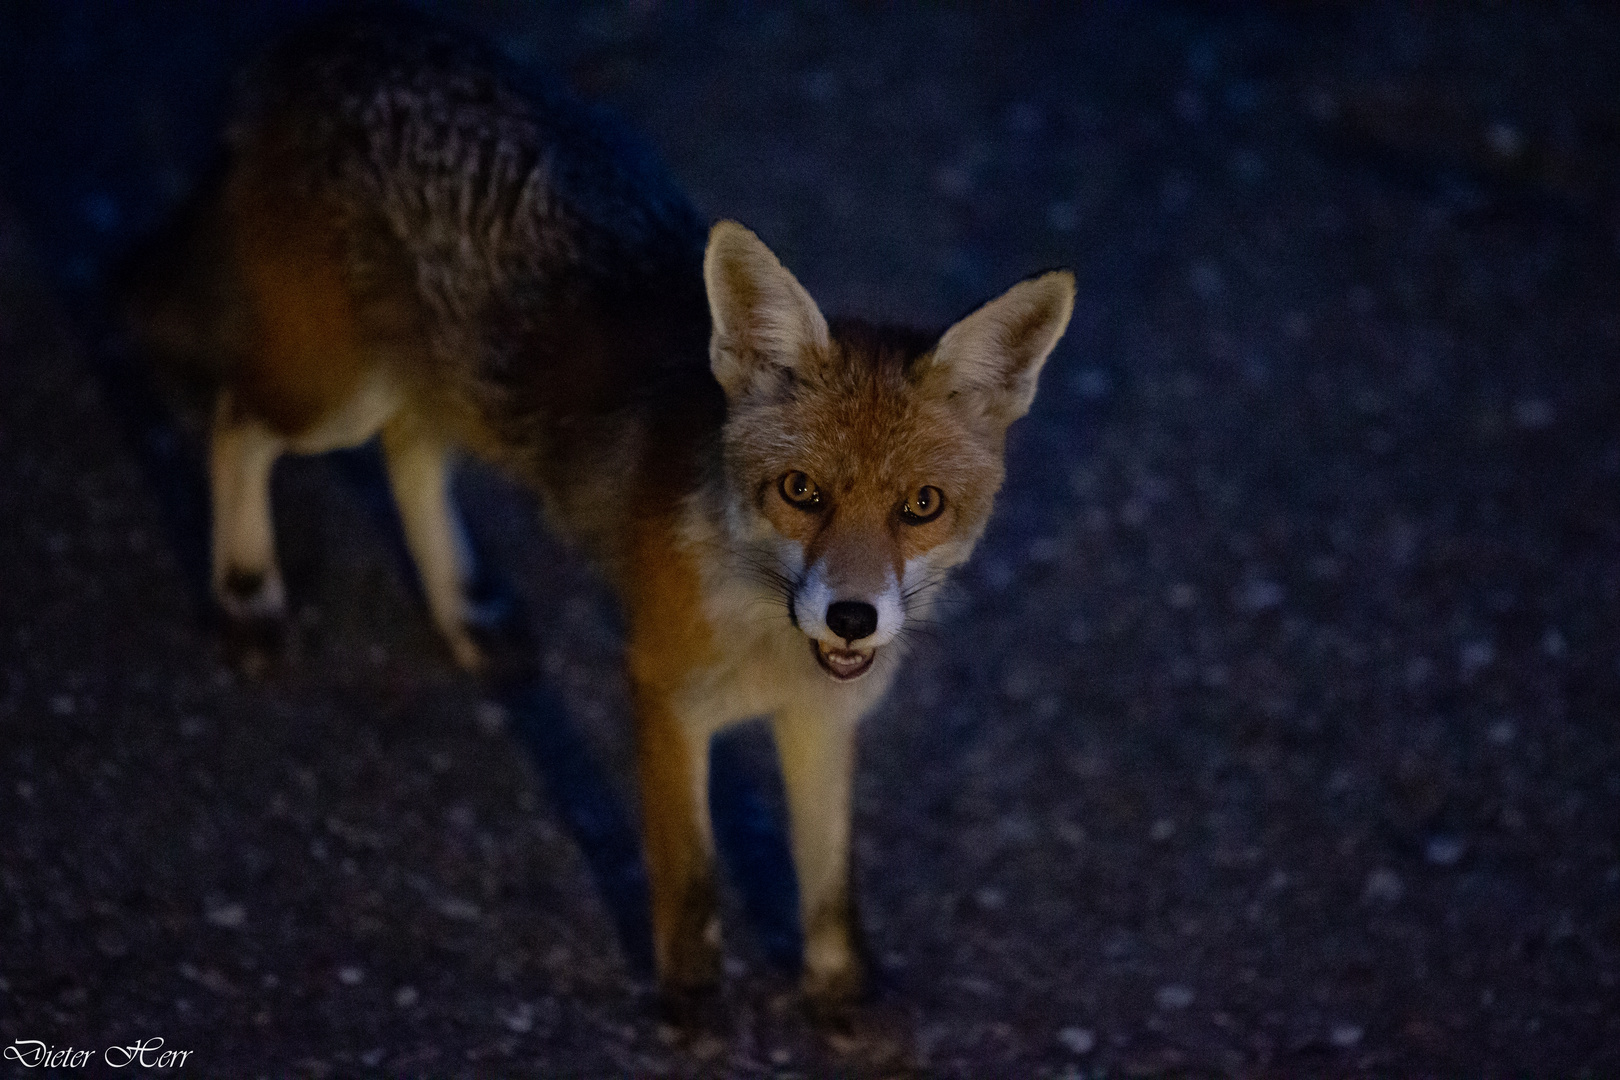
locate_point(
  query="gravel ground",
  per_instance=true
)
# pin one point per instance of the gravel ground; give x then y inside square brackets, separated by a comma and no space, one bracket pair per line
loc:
[1273,732]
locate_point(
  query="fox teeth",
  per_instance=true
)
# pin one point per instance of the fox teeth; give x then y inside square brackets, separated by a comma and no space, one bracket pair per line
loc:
[842,663]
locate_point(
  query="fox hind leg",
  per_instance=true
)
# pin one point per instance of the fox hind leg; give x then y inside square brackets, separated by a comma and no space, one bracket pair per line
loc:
[419,472]
[247,579]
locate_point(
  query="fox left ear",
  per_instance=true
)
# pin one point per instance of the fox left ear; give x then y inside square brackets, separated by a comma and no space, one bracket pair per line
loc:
[996,353]
[765,324]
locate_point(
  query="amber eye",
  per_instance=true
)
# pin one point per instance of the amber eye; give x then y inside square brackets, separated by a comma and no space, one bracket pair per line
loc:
[924,505]
[801,491]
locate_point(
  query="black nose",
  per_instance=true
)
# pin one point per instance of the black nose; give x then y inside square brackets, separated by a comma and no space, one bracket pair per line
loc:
[851,619]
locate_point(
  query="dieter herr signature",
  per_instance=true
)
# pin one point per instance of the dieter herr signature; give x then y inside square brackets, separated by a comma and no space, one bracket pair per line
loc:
[144,1053]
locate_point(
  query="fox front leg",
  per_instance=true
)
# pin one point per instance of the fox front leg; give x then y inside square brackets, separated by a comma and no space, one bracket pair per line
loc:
[673,763]
[817,753]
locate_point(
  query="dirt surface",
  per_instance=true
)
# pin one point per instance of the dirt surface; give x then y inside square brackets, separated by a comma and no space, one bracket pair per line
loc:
[1274,729]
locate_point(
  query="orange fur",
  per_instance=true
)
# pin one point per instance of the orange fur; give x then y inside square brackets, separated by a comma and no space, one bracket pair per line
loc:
[306,358]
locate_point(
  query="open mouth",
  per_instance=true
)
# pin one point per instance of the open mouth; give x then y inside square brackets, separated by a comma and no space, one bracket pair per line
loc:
[843,664]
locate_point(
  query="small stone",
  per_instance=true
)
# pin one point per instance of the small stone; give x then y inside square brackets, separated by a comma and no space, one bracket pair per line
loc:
[351,975]
[1077,1040]
[781,1056]
[1501,733]
[491,718]
[452,907]
[1418,670]
[1474,657]
[820,85]
[707,1047]
[406,996]
[1260,595]
[1445,850]
[1162,830]
[1533,414]
[1025,118]
[1062,217]
[1020,684]
[953,180]
[1182,596]
[1344,1036]
[227,916]
[1205,280]
[1504,140]
[990,898]
[1384,888]
[63,705]
[373,1057]
[1044,551]
[1174,996]
[111,944]
[519,1021]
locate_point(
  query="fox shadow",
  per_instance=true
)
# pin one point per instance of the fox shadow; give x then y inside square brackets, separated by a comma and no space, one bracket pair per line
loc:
[744,799]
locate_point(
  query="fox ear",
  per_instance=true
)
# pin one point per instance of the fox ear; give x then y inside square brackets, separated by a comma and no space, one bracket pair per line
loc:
[996,353]
[764,322]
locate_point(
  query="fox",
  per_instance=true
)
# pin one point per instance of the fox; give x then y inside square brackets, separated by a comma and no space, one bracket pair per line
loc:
[413,239]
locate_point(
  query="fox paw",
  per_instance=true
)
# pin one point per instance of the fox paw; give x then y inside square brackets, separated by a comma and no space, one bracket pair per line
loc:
[494,639]
[254,607]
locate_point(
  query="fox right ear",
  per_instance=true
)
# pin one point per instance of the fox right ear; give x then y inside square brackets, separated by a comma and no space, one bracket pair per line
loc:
[765,324]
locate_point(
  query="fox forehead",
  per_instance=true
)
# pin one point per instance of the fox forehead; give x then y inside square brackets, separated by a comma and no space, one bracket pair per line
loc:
[862,424]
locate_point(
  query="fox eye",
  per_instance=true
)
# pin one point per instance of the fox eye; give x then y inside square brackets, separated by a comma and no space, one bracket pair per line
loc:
[924,505]
[800,491]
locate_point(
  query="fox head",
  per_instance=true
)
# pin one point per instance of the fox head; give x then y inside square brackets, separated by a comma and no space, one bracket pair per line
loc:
[862,463]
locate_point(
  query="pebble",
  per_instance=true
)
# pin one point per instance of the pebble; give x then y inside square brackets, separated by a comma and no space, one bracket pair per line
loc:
[1474,657]
[519,1021]
[491,718]
[1077,1040]
[452,907]
[1344,1036]
[1444,850]
[406,996]
[351,975]
[1205,281]
[227,916]
[1174,996]
[1533,414]
[112,944]
[1384,888]
[1091,384]
[1260,595]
